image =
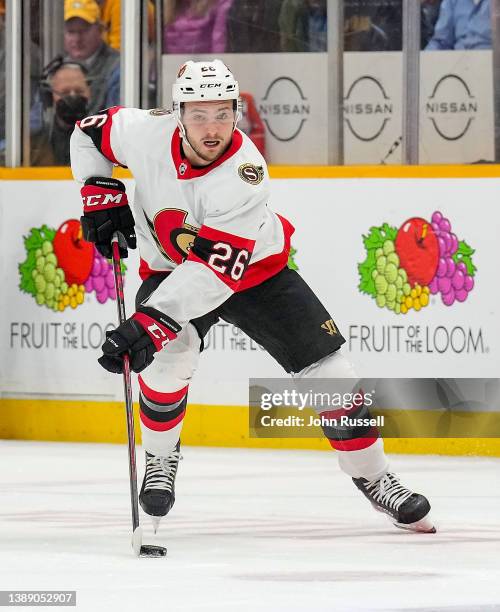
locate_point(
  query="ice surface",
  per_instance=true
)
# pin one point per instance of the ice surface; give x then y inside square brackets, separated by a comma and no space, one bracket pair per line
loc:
[251,530]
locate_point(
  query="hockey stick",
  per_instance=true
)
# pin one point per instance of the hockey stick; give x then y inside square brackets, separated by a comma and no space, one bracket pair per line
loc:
[140,549]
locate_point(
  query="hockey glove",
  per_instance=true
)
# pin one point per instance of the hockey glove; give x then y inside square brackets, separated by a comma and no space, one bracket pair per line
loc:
[106,211]
[141,336]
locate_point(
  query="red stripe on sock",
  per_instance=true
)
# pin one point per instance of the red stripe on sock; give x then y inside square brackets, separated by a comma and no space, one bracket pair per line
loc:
[159,396]
[157,426]
[355,443]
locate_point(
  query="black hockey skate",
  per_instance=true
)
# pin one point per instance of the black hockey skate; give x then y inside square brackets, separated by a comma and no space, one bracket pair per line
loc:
[158,487]
[407,510]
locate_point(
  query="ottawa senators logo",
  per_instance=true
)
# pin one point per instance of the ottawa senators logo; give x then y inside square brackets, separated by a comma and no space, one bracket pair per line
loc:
[173,236]
[251,174]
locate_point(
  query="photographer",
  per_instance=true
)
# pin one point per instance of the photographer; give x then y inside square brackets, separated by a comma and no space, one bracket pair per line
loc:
[65,94]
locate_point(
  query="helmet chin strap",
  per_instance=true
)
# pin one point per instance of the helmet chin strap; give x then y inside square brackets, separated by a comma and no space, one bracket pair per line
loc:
[185,139]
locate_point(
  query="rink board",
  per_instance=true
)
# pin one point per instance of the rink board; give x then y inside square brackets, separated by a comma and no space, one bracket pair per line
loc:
[204,425]
[52,356]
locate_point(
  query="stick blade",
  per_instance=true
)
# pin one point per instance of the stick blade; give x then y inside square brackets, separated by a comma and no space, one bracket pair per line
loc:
[146,550]
[137,541]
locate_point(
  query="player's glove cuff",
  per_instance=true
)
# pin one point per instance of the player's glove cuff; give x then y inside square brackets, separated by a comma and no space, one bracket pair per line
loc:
[101,193]
[160,328]
[141,336]
[106,211]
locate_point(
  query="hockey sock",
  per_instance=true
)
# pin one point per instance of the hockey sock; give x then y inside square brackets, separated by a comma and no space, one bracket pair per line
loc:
[370,462]
[358,456]
[161,417]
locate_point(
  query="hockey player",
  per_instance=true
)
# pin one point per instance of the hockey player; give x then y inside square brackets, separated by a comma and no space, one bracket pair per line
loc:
[210,248]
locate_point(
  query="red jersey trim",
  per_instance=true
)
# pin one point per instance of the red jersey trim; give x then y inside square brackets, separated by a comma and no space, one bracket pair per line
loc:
[269,266]
[145,271]
[255,273]
[211,233]
[183,165]
[107,151]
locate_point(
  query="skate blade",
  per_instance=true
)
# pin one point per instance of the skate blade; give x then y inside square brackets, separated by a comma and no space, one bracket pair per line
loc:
[156,522]
[422,526]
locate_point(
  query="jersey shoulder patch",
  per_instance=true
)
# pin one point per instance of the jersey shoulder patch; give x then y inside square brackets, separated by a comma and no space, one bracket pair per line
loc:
[251,173]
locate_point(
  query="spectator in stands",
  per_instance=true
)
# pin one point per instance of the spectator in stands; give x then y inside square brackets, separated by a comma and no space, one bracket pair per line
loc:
[251,123]
[195,26]
[83,43]
[303,25]
[111,20]
[252,26]
[462,24]
[378,26]
[65,94]
[362,34]
[316,25]
[430,14]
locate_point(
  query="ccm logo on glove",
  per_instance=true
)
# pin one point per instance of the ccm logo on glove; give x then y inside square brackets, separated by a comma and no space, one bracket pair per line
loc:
[104,194]
[106,211]
[104,200]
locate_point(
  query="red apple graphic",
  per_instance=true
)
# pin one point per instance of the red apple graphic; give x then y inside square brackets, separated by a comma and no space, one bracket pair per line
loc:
[418,250]
[74,254]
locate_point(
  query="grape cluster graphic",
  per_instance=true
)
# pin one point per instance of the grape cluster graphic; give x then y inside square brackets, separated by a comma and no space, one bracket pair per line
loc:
[61,267]
[404,267]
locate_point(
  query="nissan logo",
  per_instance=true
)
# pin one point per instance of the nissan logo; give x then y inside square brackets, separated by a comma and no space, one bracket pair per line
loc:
[367,108]
[451,107]
[284,109]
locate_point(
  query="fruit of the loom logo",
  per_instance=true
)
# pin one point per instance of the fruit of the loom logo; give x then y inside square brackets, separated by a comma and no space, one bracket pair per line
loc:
[403,267]
[291,259]
[60,267]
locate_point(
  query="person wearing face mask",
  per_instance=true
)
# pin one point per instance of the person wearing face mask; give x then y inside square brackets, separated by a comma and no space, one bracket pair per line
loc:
[66,94]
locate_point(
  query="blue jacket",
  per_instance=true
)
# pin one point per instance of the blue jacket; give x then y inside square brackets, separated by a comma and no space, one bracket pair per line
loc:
[462,24]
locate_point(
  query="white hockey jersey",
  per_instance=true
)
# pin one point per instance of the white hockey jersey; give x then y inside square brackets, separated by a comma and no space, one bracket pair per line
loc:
[210,227]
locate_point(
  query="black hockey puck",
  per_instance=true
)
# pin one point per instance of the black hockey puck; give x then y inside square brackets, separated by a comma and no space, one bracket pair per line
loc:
[150,550]
[146,550]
